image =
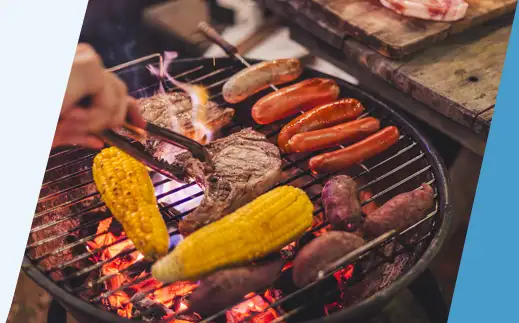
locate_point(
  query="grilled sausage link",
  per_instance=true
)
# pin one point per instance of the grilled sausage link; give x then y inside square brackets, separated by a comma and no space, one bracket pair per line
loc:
[299,97]
[321,253]
[341,204]
[258,77]
[341,159]
[228,287]
[325,138]
[320,117]
[400,212]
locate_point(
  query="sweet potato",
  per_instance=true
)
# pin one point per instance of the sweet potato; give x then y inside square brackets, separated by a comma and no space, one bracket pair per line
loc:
[322,252]
[228,287]
[341,203]
[400,212]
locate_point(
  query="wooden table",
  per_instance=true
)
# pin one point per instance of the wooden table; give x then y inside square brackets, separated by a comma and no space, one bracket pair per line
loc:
[451,86]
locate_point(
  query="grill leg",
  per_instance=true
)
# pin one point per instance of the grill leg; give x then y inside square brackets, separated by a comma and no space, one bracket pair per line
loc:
[427,292]
[56,313]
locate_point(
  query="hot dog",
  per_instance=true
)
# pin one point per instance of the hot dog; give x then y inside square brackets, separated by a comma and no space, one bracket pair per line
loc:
[258,77]
[340,134]
[356,153]
[320,117]
[301,96]
[400,212]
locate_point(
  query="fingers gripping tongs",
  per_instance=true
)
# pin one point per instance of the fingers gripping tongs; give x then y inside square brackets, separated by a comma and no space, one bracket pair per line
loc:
[115,139]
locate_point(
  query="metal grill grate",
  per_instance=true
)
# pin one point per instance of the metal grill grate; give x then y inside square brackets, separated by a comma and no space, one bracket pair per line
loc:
[69,208]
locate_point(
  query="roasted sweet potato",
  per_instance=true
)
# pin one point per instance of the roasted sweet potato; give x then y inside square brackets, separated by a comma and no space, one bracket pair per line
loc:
[228,287]
[341,203]
[400,212]
[322,252]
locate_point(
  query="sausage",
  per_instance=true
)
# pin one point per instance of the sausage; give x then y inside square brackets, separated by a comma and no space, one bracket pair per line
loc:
[330,137]
[400,212]
[320,117]
[341,159]
[228,287]
[341,204]
[371,206]
[258,77]
[299,97]
[321,253]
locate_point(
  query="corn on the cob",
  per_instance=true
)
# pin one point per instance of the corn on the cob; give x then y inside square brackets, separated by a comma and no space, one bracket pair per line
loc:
[127,190]
[261,227]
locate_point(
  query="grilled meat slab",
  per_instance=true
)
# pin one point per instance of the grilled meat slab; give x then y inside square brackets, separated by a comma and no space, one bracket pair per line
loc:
[174,111]
[245,165]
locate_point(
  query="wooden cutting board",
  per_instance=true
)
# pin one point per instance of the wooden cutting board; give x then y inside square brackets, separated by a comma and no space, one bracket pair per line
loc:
[390,34]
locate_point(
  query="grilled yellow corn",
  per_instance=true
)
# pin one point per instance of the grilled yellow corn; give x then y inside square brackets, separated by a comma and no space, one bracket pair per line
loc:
[261,227]
[127,190]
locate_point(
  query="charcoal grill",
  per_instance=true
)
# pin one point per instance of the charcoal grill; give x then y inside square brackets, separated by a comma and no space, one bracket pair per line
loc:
[69,211]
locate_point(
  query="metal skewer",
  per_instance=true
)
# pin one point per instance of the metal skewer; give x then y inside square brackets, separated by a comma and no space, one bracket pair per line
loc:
[229,49]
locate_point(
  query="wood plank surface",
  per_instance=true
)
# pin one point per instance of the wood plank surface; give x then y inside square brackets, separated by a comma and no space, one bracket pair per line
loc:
[459,78]
[388,33]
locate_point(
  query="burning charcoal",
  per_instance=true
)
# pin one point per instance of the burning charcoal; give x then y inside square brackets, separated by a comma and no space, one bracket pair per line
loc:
[255,306]
[149,309]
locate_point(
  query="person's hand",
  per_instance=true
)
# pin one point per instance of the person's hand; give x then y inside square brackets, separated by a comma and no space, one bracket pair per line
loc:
[110,104]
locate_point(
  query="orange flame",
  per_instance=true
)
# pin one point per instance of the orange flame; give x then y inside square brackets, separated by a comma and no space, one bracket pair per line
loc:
[252,306]
[120,300]
[198,94]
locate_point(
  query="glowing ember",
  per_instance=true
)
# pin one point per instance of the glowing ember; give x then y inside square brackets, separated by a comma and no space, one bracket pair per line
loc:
[344,274]
[116,276]
[198,94]
[317,222]
[120,300]
[253,306]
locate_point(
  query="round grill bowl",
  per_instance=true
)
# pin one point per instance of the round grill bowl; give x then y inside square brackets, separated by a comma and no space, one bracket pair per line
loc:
[212,73]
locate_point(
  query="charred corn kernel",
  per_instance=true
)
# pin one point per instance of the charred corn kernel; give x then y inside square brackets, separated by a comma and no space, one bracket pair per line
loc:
[258,229]
[127,190]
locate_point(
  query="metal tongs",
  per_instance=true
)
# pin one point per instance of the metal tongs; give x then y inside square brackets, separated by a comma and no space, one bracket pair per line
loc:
[114,139]
[150,130]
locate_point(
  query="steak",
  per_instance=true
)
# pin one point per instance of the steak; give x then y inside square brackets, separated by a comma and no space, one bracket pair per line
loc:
[245,165]
[174,111]
[436,10]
